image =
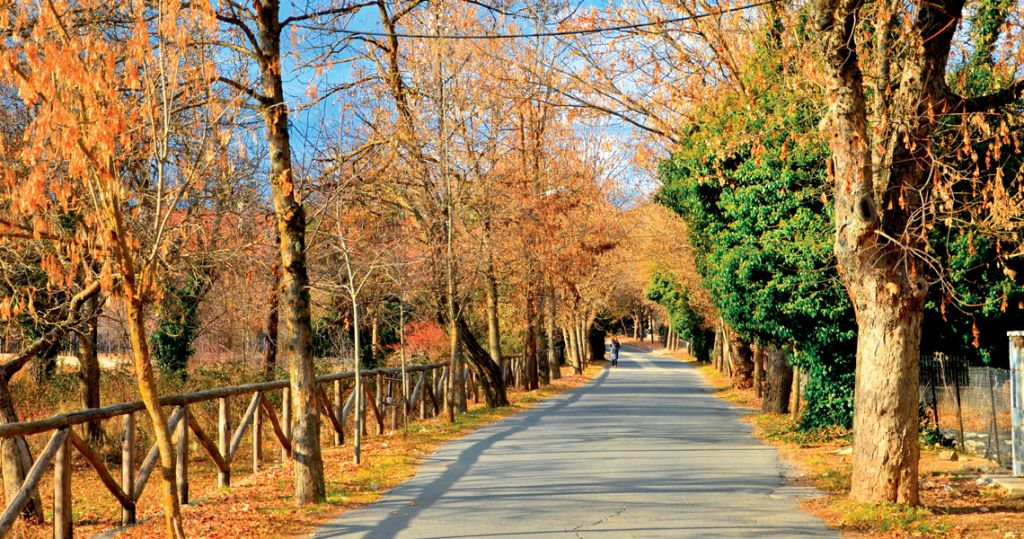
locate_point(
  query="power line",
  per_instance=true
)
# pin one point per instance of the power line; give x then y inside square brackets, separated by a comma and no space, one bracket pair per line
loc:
[603,29]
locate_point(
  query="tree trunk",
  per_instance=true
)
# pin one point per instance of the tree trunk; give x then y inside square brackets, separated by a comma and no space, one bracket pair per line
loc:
[543,371]
[17,459]
[89,370]
[455,402]
[885,420]
[149,393]
[585,355]
[758,362]
[485,367]
[726,350]
[636,326]
[742,364]
[530,349]
[574,346]
[778,383]
[795,409]
[357,367]
[883,175]
[493,324]
[294,334]
[718,353]
[491,293]
[570,351]
[549,321]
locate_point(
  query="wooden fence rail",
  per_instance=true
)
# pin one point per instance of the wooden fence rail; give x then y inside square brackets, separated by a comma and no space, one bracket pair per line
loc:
[222,451]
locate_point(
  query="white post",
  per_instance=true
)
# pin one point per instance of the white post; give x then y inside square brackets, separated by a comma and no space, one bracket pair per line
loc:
[1017,400]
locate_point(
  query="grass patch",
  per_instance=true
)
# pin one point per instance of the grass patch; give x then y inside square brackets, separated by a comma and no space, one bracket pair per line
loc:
[835,481]
[891,517]
[783,428]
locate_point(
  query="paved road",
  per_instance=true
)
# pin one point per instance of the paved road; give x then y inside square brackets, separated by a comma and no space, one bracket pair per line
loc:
[643,451]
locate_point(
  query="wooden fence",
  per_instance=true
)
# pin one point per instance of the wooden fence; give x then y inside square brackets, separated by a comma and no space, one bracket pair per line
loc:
[383,390]
[513,371]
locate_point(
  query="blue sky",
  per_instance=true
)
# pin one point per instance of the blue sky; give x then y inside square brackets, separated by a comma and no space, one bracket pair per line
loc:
[306,121]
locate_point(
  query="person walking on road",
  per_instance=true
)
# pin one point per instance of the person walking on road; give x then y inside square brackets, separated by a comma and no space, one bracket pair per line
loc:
[615,351]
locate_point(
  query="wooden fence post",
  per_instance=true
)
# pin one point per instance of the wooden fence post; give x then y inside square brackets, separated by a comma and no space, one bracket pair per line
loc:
[60,449]
[257,437]
[378,398]
[286,420]
[128,467]
[224,440]
[62,525]
[339,394]
[181,454]
[28,488]
[407,384]
[426,377]
[431,383]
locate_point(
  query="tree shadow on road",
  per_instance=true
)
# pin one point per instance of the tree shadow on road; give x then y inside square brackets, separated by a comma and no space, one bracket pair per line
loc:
[428,494]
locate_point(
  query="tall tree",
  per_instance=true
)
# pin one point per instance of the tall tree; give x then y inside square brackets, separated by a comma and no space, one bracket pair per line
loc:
[255,35]
[429,121]
[110,103]
[888,95]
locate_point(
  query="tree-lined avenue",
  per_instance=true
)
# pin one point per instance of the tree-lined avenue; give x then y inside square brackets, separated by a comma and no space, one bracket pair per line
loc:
[645,450]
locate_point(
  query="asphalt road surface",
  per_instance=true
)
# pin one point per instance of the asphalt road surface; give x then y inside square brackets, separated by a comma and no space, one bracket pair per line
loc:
[645,450]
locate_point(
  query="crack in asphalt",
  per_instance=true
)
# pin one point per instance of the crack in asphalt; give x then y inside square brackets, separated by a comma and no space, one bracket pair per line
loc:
[598,522]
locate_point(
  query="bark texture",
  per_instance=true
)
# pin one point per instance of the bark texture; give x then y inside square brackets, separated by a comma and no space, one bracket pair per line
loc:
[491,297]
[575,356]
[485,368]
[718,355]
[882,180]
[294,331]
[530,352]
[885,419]
[455,401]
[543,367]
[17,459]
[778,381]
[493,323]
[89,369]
[375,348]
[758,358]
[742,361]
[148,391]
[549,323]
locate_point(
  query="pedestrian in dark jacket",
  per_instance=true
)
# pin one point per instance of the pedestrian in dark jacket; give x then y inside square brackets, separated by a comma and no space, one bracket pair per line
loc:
[615,351]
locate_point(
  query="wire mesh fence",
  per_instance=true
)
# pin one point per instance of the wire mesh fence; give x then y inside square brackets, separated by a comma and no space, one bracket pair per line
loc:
[969,406]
